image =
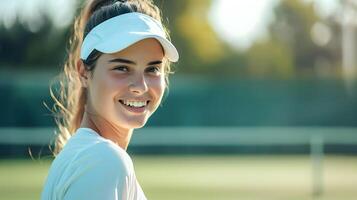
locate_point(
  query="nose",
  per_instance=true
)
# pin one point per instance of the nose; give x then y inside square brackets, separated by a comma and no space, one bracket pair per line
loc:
[138,84]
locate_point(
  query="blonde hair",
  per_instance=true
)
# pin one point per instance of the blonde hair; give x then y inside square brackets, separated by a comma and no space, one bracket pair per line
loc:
[68,107]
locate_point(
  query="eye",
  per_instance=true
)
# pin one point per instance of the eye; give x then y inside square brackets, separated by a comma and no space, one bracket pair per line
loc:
[153,69]
[122,68]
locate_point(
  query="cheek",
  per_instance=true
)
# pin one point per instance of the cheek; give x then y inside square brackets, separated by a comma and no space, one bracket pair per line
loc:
[157,88]
[102,92]
[116,83]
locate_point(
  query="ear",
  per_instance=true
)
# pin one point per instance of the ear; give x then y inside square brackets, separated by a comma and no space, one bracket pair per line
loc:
[82,72]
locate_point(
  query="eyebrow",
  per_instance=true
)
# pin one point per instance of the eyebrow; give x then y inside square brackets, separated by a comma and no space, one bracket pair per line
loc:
[122,60]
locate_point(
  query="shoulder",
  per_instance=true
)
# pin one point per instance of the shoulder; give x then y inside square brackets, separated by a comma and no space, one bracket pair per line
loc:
[103,170]
[88,150]
[108,157]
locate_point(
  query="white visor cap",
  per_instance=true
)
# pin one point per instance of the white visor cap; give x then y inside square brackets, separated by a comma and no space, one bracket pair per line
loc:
[118,33]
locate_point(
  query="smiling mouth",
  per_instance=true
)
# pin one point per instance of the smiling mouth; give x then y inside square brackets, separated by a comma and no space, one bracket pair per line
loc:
[134,104]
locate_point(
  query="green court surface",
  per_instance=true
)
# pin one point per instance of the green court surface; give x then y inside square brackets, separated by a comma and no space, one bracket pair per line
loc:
[208,177]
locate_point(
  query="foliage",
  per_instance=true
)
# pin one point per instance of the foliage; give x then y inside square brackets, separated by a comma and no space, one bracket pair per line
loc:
[22,47]
[289,51]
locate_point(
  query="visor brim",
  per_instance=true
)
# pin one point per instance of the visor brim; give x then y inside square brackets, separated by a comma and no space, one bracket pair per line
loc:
[112,45]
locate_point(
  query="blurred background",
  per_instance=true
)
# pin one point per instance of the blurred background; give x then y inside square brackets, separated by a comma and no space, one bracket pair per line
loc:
[262,105]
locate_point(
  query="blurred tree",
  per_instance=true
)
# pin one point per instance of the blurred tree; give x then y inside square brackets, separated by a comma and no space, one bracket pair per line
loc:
[294,21]
[300,44]
[294,46]
[327,34]
[25,47]
[270,58]
[293,27]
[194,26]
[200,49]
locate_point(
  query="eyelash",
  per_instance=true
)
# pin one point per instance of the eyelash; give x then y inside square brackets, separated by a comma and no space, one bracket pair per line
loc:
[121,67]
[157,69]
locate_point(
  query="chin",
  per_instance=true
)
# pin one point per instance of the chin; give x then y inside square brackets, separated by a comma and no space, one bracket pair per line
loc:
[140,126]
[136,124]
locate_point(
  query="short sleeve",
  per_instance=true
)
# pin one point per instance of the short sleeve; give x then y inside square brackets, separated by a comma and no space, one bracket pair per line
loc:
[103,175]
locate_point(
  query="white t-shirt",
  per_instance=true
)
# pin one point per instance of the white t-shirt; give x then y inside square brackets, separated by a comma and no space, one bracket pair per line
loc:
[93,168]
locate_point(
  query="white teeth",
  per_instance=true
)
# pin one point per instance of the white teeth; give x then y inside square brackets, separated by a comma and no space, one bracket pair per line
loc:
[135,103]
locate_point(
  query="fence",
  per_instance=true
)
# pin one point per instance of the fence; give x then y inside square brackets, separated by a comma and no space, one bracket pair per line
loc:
[217,137]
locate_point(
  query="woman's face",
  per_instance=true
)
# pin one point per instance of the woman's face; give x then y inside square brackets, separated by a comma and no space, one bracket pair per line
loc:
[127,87]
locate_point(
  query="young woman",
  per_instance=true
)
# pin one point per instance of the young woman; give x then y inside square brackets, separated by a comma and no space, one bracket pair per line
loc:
[114,80]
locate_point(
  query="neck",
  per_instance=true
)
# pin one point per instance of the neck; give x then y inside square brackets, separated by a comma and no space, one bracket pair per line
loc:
[106,129]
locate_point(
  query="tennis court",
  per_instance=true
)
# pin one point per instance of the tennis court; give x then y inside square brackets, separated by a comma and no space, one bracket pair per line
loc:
[208,177]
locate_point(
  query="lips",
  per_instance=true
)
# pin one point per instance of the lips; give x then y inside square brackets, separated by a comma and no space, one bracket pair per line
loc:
[136,103]
[134,106]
